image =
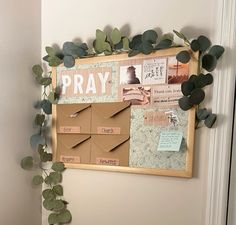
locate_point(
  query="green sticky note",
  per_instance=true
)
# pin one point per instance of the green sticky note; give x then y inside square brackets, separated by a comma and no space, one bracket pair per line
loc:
[170,141]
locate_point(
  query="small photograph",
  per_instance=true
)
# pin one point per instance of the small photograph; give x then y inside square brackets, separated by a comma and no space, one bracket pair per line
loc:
[137,95]
[130,74]
[177,72]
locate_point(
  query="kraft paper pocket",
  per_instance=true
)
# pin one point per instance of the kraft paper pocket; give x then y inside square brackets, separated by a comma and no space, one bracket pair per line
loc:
[112,150]
[111,118]
[73,148]
[73,118]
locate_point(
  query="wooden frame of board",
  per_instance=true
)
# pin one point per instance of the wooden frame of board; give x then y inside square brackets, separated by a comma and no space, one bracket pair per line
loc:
[187,172]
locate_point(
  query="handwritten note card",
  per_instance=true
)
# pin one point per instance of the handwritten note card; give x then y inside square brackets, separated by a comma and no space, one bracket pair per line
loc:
[154,71]
[170,141]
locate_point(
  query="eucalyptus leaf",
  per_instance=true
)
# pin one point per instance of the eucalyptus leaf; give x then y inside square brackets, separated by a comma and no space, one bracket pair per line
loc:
[48,204]
[168,36]
[183,56]
[115,36]
[107,48]
[204,43]
[181,36]
[210,120]
[54,61]
[48,194]
[58,205]
[163,44]
[64,216]
[150,36]
[53,218]
[146,48]
[133,53]
[136,42]
[58,190]
[48,180]
[69,61]
[50,51]
[39,119]
[217,51]
[185,103]
[37,180]
[187,87]
[46,105]
[45,157]
[45,81]
[118,46]
[99,46]
[100,35]
[56,177]
[202,114]
[125,41]
[58,166]
[37,70]
[209,62]
[70,49]
[27,163]
[195,46]
[36,139]
[197,96]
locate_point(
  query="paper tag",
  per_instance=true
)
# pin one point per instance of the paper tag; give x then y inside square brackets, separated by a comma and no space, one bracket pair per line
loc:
[170,141]
[107,161]
[156,118]
[108,130]
[70,159]
[69,129]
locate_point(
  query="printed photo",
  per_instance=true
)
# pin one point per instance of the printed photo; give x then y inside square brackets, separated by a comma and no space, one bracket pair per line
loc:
[177,72]
[137,95]
[130,74]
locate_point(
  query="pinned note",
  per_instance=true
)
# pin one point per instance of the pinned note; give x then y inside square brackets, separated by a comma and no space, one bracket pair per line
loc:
[170,141]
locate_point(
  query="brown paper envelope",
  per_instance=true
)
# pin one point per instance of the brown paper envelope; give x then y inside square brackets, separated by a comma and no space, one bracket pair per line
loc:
[110,149]
[74,148]
[111,118]
[74,118]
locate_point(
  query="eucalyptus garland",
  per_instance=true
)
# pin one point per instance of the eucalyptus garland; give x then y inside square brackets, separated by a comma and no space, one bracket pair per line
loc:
[114,43]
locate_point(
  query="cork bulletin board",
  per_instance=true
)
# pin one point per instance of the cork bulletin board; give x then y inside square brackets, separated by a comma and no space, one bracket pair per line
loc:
[118,113]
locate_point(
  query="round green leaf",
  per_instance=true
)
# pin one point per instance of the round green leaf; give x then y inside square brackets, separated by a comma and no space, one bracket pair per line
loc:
[56,177]
[168,36]
[48,180]
[115,36]
[46,105]
[203,80]
[146,48]
[58,166]
[39,119]
[195,46]
[107,48]
[136,42]
[45,81]
[54,61]
[183,56]
[185,103]
[150,36]
[45,157]
[204,43]
[118,46]
[163,44]
[37,180]
[71,49]
[187,87]
[197,96]
[53,218]
[36,140]
[64,216]
[50,51]
[210,120]
[37,70]
[133,53]
[69,61]
[48,204]
[202,114]
[209,62]
[99,46]
[48,194]
[58,205]
[100,35]
[217,51]
[58,190]
[27,163]
[125,41]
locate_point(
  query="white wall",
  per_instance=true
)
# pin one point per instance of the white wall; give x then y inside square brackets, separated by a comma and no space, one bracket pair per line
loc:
[19,50]
[104,198]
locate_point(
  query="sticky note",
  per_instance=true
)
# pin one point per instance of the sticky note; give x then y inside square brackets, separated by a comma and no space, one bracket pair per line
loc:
[170,141]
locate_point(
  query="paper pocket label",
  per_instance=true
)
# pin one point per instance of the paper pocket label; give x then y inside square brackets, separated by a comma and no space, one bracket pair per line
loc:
[107,161]
[108,130]
[70,159]
[69,129]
